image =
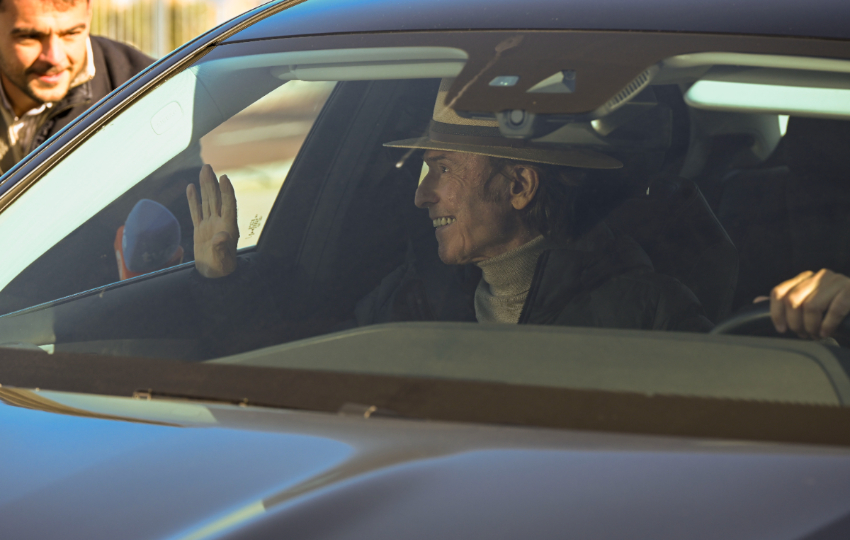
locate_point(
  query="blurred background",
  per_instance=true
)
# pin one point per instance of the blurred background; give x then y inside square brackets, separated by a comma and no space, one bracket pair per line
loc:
[158,26]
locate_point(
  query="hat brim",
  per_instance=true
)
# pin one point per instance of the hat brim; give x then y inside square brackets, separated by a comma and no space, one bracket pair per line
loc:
[568,157]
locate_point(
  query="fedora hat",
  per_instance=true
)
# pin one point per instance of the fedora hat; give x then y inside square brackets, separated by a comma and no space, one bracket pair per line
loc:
[453,133]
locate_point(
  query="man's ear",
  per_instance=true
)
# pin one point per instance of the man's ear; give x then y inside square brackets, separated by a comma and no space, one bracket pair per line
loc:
[524,184]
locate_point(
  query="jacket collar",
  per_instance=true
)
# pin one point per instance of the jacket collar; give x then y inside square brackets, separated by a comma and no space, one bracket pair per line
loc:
[570,268]
[77,95]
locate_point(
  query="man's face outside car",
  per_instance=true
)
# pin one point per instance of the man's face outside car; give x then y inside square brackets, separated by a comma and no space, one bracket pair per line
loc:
[43,47]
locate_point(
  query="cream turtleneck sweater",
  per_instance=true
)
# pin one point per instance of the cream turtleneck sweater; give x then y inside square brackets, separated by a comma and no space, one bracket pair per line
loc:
[505,282]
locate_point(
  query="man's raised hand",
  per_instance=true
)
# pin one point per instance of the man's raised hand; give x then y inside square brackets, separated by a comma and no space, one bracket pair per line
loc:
[214,218]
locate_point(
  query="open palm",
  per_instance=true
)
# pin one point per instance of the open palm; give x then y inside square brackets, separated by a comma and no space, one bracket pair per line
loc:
[214,219]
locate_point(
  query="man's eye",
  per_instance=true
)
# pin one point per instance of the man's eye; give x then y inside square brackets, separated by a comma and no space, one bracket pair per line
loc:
[444,170]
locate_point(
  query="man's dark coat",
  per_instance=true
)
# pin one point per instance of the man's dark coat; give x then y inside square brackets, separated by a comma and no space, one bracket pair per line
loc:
[602,280]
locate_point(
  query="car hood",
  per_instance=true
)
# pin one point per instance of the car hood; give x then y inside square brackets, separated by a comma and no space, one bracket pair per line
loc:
[83,466]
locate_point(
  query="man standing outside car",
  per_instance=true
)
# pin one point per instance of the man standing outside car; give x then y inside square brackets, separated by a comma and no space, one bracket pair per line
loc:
[52,70]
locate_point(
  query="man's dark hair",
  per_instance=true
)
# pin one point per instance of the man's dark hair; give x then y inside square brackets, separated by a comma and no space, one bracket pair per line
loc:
[60,5]
[557,210]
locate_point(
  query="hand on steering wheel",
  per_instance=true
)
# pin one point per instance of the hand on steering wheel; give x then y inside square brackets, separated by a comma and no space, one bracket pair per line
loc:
[811,305]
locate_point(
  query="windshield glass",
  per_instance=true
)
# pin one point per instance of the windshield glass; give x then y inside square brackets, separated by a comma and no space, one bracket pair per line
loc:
[532,209]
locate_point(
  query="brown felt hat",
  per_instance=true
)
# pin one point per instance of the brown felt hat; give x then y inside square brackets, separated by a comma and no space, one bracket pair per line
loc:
[453,133]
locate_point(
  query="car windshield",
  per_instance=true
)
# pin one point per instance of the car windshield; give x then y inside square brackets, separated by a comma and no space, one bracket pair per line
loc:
[585,210]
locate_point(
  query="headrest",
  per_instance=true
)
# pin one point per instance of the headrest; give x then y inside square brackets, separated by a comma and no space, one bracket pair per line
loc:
[817,148]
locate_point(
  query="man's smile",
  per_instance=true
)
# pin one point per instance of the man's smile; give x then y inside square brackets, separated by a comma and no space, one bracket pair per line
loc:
[442,221]
[52,76]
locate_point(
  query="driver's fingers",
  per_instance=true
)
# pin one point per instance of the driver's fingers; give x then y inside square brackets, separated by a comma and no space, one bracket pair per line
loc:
[828,299]
[794,320]
[777,301]
[803,312]
[838,309]
[814,296]
[194,205]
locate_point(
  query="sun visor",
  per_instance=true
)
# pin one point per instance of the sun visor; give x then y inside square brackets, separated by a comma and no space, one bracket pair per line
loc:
[360,64]
[794,92]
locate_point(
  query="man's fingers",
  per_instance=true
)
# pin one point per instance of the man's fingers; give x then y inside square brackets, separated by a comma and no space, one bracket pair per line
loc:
[812,319]
[777,311]
[803,311]
[194,204]
[831,299]
[838,309]
[818,293]
[778,305]
[205,181]
[811,304]
[794,320]
[228,201]
[783,288]
[215,197]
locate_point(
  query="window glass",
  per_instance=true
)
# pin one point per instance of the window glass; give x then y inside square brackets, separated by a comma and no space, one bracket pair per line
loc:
[157,129]
[118,202]
[595,219]
[256,147]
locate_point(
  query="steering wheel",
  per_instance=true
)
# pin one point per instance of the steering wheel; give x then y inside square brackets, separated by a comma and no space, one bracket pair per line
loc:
[755,321]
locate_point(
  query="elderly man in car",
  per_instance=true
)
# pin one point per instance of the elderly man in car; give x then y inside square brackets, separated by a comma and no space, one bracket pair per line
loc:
[510,219]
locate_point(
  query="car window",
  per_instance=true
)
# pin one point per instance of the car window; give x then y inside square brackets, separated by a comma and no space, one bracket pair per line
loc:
[256,148]
[400,199]
[107,198]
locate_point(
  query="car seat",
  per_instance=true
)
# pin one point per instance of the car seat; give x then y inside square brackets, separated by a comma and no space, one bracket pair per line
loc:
[794,217]
[684,239]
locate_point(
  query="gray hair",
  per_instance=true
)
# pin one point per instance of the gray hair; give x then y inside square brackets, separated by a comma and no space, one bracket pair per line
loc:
[59,5]
[555,211]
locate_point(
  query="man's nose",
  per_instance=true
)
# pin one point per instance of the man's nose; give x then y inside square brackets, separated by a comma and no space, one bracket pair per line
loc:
[53,50]
[425,194]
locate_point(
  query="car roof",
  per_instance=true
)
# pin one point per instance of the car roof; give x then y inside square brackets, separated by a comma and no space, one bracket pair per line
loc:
[817,18]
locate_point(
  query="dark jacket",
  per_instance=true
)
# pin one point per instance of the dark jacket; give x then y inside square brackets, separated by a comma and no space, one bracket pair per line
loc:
[602,280]
[114,63]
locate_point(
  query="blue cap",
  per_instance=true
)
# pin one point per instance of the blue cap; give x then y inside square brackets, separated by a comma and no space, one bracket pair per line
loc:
[151,237]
